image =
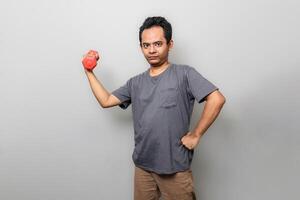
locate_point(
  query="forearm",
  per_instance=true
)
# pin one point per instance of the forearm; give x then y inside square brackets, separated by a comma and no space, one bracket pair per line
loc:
[98,89]
[210,112]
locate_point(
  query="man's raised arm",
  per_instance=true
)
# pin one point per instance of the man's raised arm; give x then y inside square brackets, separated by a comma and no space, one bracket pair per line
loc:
[104,98]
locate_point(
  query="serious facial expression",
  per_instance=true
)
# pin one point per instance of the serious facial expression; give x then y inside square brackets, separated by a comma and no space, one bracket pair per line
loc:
[154,45]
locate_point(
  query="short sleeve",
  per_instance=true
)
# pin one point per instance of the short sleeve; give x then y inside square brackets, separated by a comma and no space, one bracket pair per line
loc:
[197,85]
[123,93]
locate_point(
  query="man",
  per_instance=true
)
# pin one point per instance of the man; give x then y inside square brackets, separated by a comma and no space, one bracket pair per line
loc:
[162,99]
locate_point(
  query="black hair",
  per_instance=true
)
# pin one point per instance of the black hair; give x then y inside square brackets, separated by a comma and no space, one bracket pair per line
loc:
[157,21]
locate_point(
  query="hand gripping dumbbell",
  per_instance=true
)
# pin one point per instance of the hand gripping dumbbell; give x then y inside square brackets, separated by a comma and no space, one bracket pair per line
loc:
[90,60]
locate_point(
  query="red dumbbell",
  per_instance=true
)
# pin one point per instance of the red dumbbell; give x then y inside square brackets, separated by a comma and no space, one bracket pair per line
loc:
[90,60]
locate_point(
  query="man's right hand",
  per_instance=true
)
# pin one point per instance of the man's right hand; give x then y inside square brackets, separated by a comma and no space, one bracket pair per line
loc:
[89,60]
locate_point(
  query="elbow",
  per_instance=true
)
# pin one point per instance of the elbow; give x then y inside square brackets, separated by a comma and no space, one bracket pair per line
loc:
[106,105]
[217,99]
[103,104]
[222,100]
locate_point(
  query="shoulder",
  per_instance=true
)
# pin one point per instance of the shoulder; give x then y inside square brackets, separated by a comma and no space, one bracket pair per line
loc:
[183,69]
[137,78]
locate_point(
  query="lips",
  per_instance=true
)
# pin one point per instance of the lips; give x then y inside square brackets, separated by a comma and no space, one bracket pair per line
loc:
[153,57]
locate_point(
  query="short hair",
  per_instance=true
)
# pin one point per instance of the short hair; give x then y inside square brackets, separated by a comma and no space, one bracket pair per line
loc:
[157,21]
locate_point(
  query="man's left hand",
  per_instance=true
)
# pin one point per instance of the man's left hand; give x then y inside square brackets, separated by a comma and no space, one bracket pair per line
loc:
[190,140]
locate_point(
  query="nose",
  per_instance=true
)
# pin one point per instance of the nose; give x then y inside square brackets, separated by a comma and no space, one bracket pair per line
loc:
[152,49]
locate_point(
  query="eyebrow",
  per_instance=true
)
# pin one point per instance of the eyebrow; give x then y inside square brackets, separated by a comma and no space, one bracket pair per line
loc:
[152,42]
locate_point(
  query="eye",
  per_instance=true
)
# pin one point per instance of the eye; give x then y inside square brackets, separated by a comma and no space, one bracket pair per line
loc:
[158,44]
[145,45]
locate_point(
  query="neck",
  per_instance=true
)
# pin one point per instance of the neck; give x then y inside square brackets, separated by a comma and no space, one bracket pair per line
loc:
[156,69]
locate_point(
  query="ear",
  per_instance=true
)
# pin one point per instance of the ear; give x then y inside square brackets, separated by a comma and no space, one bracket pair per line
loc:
[171,44]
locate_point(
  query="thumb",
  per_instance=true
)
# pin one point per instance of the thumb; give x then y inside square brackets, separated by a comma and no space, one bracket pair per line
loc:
[182,139]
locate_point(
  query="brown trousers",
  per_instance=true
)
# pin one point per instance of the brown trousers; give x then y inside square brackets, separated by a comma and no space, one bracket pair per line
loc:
[151,186]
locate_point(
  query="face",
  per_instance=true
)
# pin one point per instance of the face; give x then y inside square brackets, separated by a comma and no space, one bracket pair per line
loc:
[154,46]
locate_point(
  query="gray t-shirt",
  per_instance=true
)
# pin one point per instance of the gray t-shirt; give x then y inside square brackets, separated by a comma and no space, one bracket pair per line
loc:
[162,107]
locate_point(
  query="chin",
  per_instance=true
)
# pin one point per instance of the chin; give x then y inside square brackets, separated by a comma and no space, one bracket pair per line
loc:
[154,62]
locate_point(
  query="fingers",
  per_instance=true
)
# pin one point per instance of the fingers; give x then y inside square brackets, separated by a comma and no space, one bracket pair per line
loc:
[89,60]
[190,147]
[187,144]
[94,53]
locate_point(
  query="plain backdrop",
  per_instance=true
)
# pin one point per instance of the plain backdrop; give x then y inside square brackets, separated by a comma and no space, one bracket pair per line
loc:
[57,143]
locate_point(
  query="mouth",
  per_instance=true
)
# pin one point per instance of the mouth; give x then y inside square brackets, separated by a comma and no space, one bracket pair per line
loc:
[153,57]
